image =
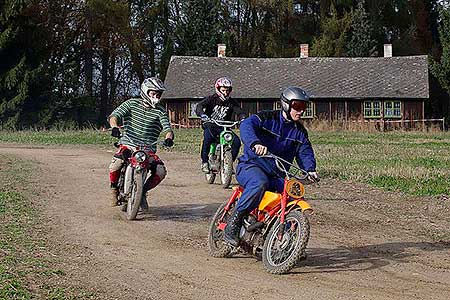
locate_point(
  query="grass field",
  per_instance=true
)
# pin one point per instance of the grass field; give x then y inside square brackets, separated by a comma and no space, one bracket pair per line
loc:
[25,271]
[417,163]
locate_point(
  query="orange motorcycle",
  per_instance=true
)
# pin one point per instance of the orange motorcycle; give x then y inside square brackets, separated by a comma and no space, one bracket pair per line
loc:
[277,231]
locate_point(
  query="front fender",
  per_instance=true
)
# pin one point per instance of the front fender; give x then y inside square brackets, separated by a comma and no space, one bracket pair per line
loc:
[302,204]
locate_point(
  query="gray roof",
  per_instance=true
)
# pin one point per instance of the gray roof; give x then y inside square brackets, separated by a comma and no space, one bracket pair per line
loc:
[362,77]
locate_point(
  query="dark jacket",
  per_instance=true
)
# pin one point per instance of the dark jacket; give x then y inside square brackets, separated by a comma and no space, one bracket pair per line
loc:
[215,108]
[283,138]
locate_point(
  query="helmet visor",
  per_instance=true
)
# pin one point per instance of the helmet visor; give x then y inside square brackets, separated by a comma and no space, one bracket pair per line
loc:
[299,105]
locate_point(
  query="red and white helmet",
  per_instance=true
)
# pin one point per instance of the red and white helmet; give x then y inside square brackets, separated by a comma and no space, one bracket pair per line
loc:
[223,82]
[151,84]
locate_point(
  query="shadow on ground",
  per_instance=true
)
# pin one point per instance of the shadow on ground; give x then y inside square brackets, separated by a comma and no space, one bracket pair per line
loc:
[181,212]
[322,260]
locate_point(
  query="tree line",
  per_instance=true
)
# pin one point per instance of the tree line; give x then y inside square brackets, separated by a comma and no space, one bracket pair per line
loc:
[67,63]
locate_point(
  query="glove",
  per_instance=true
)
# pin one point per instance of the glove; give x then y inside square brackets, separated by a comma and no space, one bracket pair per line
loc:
[313,176]
[204,118]
[168,142]
[115,132]
[260,149]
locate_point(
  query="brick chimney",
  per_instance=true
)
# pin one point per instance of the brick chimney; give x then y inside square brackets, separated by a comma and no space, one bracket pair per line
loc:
[387,50]
[221,48]
[304,50]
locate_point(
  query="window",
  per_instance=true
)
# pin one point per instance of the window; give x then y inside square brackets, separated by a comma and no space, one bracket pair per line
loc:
[392,109]
[265,105]
[192,106]
[309,112]
[372,109]
[249,107]
[277,105]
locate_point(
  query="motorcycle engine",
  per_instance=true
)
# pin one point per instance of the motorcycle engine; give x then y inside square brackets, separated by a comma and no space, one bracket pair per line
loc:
[250,237]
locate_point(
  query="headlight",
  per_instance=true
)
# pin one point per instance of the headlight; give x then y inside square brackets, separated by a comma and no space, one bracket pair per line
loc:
[295,189]
[140,156]
[228,137]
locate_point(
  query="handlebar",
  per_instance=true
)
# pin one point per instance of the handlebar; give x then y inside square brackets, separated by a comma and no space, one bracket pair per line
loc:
[293,170]
[223,123]
[144,147]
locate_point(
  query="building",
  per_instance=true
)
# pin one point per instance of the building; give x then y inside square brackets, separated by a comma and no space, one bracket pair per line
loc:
[345,89]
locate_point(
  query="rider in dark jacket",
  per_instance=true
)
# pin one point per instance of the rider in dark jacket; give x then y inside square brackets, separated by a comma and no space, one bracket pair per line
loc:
[219,106]
[277,132]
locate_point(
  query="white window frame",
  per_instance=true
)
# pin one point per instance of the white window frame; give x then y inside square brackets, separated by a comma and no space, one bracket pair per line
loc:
[370,108]
[191,109]
[393,109]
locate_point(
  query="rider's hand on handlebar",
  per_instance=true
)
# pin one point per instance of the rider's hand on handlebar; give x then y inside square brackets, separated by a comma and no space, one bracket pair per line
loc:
[115,132]
[168,142]
[260,149]
[204,118]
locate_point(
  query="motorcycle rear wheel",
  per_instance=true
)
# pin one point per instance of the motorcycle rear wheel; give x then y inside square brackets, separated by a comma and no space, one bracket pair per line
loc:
[136,197]
[216,246]
[280,256]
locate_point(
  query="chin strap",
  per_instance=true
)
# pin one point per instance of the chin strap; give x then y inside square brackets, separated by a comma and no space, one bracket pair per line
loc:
[222,97]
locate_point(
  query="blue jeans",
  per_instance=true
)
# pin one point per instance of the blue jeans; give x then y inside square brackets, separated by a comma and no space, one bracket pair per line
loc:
[255,181]
[211,135]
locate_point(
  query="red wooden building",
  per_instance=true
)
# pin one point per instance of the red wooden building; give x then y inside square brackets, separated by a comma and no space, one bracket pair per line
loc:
[344,89]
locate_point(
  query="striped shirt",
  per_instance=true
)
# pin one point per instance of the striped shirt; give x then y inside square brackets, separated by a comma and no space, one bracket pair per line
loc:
[142,125]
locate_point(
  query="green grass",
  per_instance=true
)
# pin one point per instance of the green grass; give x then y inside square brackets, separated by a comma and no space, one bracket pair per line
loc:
[25,272]
[416,163]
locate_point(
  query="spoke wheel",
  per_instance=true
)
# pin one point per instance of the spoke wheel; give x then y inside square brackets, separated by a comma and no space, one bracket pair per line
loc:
[211,176]
[281,252]
[226,169]
[216,246]
[135,199]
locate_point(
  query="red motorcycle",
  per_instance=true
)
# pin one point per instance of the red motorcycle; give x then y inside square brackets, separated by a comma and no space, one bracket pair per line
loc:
[132,178]
[277,231]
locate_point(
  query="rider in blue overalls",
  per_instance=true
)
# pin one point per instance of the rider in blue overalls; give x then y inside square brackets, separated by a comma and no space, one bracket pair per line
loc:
[279,132]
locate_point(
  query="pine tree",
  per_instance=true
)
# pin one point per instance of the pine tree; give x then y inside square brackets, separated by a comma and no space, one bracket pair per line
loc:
[199,31]
[361,42]
[22,42]
[441,69]
[334,35]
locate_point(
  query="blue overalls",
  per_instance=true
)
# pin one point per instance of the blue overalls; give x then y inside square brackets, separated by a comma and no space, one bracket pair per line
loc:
[283,138]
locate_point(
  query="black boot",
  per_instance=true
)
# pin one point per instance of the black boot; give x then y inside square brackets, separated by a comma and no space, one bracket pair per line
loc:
[234,224]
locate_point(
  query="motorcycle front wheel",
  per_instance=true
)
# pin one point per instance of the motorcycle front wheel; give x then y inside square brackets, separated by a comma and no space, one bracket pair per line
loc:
[226,169]
[211,176]
[135,199]
[281,253]
[216,246]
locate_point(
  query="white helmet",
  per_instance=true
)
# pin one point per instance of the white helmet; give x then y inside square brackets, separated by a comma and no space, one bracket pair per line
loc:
[151,84]
[223,82]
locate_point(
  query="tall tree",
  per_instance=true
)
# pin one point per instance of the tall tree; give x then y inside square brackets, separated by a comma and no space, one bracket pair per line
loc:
[441,68]
[199,29]
[334,34]
[22,49]
[361,42]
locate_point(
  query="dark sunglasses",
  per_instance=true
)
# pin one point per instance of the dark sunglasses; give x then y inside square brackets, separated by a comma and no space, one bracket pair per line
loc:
[299,105]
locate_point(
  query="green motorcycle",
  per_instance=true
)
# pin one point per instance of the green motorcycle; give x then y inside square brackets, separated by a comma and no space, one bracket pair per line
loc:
[220,158]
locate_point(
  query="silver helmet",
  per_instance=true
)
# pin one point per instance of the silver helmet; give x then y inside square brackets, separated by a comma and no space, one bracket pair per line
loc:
[291,94]
[151,84]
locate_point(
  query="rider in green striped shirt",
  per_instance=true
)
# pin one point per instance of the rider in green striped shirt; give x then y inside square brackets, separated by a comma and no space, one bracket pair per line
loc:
[143,120]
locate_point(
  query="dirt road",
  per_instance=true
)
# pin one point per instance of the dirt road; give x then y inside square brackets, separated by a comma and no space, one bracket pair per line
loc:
[364,243]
